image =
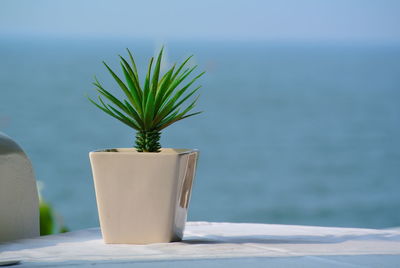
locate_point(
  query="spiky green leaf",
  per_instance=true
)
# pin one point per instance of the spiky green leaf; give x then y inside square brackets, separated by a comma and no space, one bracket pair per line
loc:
[156,73]
[122,86]
[134,77]
[176,83]
[133,90]
[149,111]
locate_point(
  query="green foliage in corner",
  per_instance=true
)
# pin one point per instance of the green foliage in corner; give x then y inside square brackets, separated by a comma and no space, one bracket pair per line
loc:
[48,223]
[153,106]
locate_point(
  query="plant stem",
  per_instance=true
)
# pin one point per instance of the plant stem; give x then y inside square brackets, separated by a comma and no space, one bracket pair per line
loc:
[148,141]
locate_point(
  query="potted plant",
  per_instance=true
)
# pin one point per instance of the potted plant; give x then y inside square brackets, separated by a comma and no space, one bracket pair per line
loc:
[143,193]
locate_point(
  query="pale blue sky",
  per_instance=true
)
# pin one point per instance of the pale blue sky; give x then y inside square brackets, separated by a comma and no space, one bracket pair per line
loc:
[301,20]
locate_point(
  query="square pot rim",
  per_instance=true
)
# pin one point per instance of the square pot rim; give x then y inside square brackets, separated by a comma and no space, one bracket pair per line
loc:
[133,151]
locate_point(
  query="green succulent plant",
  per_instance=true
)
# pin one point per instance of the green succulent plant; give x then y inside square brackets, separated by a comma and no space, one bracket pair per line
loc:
[154,106]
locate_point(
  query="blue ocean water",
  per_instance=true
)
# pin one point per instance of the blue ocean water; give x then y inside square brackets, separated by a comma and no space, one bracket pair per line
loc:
[291,133]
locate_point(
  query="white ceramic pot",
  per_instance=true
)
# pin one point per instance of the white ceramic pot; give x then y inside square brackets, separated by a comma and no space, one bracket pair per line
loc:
[19,202]
[143,198]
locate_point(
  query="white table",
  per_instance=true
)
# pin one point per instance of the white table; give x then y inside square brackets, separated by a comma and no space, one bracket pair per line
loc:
[217,245]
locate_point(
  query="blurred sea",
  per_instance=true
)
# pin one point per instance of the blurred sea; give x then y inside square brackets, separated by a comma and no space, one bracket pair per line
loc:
[292,133]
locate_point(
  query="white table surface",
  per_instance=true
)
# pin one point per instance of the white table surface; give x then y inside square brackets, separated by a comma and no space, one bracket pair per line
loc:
[208,244]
